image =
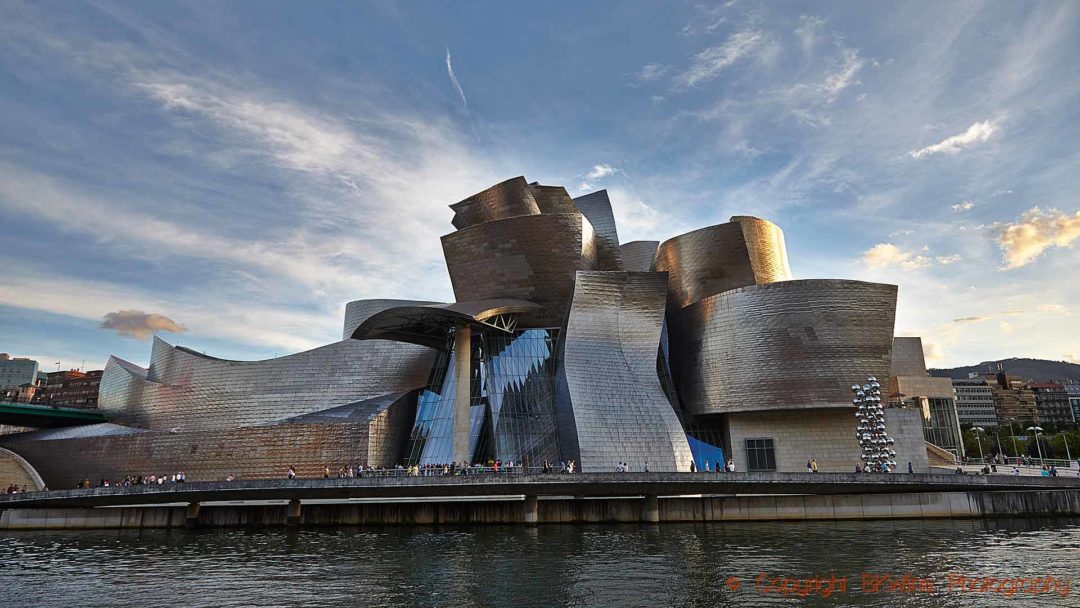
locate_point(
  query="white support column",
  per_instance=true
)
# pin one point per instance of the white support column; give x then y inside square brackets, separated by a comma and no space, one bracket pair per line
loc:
[462,391]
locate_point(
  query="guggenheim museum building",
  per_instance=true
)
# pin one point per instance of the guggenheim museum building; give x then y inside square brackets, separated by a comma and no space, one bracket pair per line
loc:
[563,344]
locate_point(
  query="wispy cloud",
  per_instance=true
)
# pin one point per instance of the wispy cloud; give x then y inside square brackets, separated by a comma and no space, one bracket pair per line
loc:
[709,63]
[963,206]
[454,80]
[651,71]
[978,132]
[1036,231]
[140,325]
[601,170]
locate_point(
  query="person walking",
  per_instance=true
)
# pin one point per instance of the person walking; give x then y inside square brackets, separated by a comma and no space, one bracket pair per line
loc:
[809,469]
[693,467]
[813,465]
[910,469]
[291,473]
[731,466]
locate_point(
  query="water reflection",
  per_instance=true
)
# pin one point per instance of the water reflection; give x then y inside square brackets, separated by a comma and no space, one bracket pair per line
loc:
[624,565]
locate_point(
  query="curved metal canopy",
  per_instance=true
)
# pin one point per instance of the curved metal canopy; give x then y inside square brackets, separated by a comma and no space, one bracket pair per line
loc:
[427,325]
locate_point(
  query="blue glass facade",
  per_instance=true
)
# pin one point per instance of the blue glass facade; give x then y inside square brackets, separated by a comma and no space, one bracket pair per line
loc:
[512,401]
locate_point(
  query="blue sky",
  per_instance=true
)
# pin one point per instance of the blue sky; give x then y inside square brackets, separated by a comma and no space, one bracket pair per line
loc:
[238,171]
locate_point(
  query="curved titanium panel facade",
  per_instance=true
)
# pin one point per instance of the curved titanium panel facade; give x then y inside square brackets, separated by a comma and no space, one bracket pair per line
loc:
[358,311]
[430,325]
[789,345]
[745,251]
[596,207]
[612,408]
[532,258]
[637,256]
[511,198]
[186,391]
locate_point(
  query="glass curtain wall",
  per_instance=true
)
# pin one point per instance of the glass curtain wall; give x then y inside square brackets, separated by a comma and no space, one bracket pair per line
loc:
[512,402]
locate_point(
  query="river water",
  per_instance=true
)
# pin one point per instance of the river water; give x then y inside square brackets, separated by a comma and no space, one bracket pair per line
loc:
[751,564]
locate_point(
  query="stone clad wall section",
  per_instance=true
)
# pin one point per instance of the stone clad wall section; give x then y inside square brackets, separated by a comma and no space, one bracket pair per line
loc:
[612,408]
[263,452]
[789,345]
[827,435]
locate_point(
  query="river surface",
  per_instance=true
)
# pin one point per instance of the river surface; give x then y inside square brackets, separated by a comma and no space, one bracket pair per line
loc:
[751,564]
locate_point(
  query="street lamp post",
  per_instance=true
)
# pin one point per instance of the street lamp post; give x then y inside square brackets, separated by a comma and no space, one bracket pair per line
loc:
[978,437]
[1012,433]
[1038,429]
[1068,454]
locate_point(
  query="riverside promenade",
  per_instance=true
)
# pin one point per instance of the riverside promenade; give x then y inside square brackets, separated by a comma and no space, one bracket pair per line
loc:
[544,498]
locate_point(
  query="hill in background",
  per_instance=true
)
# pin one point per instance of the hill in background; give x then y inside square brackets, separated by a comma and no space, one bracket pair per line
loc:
[1028,369]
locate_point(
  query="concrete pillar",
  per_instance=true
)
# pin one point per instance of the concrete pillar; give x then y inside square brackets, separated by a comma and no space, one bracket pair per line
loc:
[462,391]
[531,510]
[650,511]
[191,518]
[292,515]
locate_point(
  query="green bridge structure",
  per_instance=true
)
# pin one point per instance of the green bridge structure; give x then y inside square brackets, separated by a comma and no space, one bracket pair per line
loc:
[45,416]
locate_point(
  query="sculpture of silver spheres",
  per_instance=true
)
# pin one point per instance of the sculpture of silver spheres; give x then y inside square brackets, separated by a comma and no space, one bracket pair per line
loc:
[877,447]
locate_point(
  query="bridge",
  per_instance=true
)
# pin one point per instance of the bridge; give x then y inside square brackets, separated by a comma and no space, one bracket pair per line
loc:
[543,498]
[576,485]
[46,417]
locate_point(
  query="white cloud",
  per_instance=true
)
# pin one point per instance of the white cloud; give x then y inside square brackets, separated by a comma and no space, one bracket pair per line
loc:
[978,132]
[1023,241]
[637,220]
[138,324]
[709,63]
[949,259]
[885,255]
[963,206]
[454,80]
[601,170]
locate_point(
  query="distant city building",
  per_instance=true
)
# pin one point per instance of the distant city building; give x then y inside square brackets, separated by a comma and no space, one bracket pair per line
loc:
[1015,404]
[1073,390]
[933,396]
[15,372]
[72,388]
[975,402]
[1052,402]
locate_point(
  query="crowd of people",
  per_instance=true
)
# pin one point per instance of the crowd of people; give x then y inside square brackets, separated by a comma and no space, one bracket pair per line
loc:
[492,466]
[719,467]
[14,489]
[138,480]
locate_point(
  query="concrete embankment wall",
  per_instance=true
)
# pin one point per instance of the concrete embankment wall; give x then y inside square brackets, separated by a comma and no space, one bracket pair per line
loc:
[608,510]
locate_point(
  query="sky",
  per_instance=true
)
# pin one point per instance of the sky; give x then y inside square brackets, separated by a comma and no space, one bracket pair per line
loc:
[229,175]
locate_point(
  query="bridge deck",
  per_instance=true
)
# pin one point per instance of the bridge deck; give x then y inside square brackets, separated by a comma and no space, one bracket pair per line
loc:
[577,485]
[46,417]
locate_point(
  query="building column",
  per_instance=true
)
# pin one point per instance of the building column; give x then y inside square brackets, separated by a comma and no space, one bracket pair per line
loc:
[462,391]
[531,510]
[650,511]
[292,515]
[191,518]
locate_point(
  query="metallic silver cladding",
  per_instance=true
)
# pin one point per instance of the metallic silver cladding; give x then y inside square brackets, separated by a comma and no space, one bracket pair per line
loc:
[429,325]
[532,258]
[745,251]
[358,311]
[612,407]
[638,256]
[789,345]
[597,208]
[512,198]
[187,391]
